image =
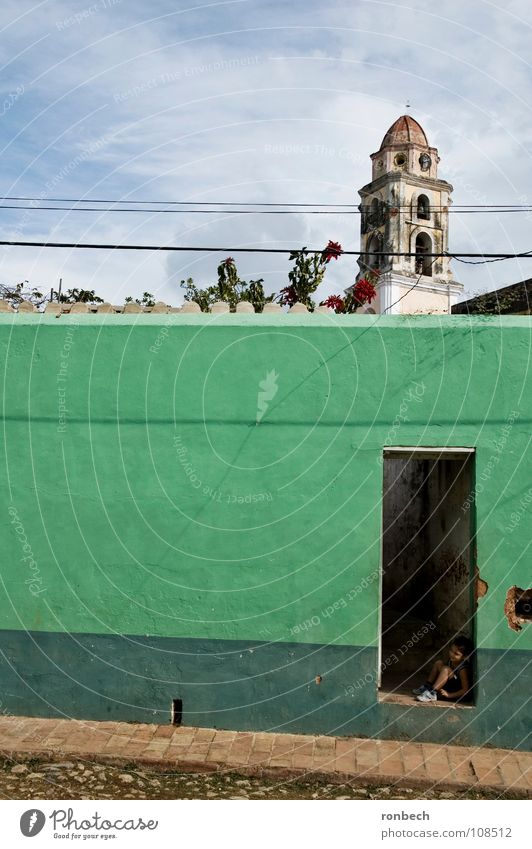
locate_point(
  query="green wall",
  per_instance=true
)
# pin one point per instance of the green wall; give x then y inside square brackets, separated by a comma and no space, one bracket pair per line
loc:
[162,526]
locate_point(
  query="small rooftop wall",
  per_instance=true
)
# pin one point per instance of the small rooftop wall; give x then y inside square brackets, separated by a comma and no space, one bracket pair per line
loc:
[78,308]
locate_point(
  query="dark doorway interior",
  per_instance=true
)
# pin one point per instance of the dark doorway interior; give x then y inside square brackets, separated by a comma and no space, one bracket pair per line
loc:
[426,562]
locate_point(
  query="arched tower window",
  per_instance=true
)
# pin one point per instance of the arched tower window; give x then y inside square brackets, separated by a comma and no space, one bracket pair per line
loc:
[423,207]
[423,248]
[375,246]
[375,214]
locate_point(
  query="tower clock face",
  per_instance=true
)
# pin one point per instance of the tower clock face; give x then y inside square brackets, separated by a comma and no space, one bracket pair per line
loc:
[425,161]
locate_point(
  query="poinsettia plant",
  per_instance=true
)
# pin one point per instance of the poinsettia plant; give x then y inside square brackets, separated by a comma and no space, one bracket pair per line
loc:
[362,293]
[307,274]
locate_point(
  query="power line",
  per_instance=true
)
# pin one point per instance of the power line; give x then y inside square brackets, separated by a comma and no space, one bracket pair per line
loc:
[233,203]
[232,250]
[190,211]
[345,211]
[174,202]
[356,208]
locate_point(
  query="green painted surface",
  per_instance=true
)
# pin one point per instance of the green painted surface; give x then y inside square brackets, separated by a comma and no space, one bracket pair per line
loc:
[155,504]
[248,686]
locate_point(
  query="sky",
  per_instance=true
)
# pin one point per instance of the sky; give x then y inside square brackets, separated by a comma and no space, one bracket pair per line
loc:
[252,101]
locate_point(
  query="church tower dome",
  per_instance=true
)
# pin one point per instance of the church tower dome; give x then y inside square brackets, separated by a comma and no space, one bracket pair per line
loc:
[405,210]
[405,130]
[405,147]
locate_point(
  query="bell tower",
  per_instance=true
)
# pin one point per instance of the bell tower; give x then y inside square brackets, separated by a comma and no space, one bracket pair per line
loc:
[405,209]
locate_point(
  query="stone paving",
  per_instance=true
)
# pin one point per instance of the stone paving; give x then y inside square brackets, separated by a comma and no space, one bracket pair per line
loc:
[87,779]
[338,759]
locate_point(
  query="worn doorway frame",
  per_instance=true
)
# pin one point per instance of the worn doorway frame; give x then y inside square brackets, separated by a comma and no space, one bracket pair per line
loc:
[397,452]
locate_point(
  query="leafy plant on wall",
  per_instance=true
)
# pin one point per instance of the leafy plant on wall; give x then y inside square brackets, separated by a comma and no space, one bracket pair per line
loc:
[15,294]
[79,296]
[307,274]
[19,292]
[229,288]
[147,300]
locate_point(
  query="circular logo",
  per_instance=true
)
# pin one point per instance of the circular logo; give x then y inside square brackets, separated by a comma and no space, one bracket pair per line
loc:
[32,822]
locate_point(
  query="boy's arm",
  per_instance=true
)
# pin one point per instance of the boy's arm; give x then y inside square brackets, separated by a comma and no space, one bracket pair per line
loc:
[464,680]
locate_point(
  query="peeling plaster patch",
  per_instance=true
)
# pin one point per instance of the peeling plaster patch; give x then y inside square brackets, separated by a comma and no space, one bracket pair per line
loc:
[481,587]
[513,596]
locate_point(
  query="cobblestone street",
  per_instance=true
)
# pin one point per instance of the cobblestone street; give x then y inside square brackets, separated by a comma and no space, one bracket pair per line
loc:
[77,779]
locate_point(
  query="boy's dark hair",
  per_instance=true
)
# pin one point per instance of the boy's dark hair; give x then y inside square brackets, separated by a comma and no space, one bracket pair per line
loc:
[464,644]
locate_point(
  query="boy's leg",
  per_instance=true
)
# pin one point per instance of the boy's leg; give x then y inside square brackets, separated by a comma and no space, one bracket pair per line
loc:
[435,671]
[429,683]
[443,676]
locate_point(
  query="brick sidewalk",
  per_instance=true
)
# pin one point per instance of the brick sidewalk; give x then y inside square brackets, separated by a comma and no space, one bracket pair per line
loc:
[283,755]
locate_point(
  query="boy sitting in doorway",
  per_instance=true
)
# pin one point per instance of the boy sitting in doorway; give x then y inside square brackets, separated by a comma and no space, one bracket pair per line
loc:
[452,681]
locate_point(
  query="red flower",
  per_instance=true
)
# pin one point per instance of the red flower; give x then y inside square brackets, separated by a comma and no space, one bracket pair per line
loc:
[287,296]
[364,291]
[334,302]
[229,261]
[332,251]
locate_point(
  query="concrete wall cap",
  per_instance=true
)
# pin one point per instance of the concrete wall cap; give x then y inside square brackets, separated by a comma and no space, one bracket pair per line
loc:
[54,309]
[220,306]
[190,306]
[244,306]
[298,307]
[27,306]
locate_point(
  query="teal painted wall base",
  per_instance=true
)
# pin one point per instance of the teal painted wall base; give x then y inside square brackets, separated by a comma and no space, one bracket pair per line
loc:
[249,686]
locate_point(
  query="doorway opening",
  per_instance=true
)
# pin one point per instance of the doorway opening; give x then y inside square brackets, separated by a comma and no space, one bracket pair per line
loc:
[427,563]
